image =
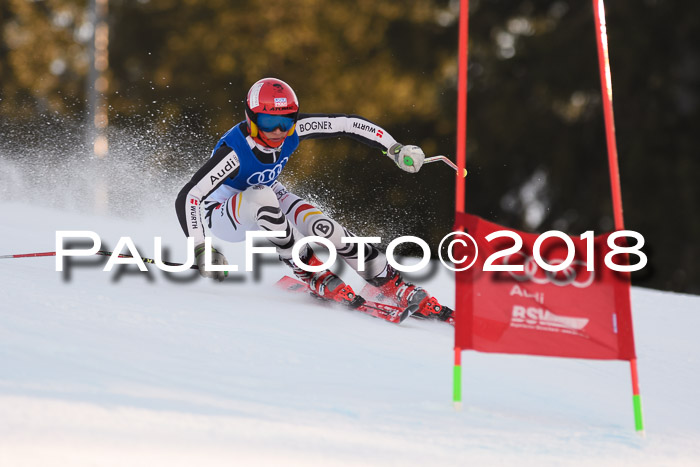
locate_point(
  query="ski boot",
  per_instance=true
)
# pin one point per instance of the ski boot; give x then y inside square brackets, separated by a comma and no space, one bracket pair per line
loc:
[323,284]
[404,294]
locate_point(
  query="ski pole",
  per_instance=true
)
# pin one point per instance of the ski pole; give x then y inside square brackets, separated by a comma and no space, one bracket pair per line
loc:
[99,253]
[29,255]
[444,159]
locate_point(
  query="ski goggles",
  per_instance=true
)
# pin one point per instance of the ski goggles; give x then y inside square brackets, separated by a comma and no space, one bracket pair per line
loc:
[267,122]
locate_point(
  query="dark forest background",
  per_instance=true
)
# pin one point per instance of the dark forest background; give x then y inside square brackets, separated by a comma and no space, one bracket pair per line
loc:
[536,151]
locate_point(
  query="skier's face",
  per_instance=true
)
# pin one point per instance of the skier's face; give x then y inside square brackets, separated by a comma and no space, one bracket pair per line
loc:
[275,136]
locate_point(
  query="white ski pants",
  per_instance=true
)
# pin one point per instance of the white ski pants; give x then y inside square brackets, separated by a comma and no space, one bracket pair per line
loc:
[274,208]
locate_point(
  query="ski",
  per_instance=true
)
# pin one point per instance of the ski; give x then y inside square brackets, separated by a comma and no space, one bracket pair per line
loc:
[387,312]
[374,294]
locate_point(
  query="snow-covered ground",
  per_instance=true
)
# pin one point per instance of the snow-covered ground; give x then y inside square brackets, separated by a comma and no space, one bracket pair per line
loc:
[136,369]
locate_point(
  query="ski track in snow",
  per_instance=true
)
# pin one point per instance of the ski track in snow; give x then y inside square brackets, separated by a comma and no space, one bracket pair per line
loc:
[136,369]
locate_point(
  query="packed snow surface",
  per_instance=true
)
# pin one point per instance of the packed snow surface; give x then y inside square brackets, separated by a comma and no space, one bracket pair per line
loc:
[129,368]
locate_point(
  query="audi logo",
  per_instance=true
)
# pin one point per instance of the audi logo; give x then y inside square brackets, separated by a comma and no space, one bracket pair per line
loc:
[268,175]
[576,274]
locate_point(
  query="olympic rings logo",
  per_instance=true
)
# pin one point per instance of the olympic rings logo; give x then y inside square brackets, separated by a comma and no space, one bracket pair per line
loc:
[268,175]
[568,276]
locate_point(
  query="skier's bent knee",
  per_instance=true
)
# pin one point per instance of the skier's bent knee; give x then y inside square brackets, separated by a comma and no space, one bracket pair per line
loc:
[261,195]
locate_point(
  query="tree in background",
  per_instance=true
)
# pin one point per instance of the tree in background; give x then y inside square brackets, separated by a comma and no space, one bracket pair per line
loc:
[43,58]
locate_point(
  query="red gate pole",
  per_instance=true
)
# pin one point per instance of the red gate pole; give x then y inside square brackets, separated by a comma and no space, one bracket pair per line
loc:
[461,166]
[463,53]
[606,90]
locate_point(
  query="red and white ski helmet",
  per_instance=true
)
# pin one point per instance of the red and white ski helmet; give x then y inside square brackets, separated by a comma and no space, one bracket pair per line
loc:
[276,102]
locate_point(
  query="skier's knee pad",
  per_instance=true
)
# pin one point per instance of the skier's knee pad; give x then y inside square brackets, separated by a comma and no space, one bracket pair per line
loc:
[261,195]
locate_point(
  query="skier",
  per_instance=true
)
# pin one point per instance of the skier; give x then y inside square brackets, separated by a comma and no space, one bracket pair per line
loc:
[238,190]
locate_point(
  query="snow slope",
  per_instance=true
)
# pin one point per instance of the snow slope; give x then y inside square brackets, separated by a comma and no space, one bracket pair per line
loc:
[136,369]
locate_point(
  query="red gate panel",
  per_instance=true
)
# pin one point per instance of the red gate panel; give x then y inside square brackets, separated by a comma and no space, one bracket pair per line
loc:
[572,313]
